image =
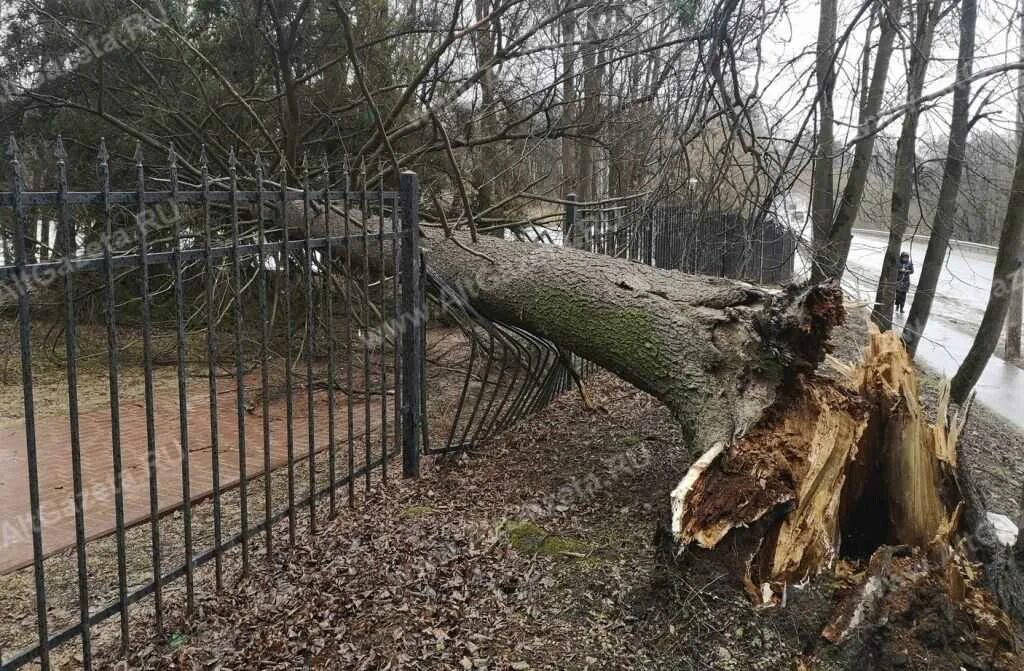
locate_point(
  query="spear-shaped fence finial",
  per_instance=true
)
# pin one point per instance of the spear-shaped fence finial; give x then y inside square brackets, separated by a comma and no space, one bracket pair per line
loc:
[58,151]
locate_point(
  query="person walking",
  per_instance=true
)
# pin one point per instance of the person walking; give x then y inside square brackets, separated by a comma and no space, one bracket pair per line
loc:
[903,273]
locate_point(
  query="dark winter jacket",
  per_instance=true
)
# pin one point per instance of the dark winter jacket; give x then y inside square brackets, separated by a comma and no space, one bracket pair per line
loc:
[903,274]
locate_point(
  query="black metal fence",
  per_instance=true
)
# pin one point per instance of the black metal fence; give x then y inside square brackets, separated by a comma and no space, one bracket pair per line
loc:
[234,351]
[203,365]
[756,249]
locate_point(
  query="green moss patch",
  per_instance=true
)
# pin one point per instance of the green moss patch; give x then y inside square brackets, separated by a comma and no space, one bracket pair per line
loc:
[529,538]
[415,512]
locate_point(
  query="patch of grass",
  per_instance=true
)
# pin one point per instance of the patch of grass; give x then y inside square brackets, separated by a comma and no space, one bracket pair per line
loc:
[415,512]
[529,538]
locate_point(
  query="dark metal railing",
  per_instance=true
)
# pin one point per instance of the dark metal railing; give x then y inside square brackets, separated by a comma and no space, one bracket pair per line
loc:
[267,301]
[757,249]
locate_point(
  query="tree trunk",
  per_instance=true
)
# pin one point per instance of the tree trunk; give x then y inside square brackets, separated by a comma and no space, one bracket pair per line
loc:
[486,165]
[568,27]
[927,15]
[1007,268]
[830,257]
[953,168]
[1016,313]
[741,344]
[823,192]
[589,127]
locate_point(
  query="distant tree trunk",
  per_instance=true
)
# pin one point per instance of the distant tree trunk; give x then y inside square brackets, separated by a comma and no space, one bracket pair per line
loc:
[1016,313]
[486,164]
[587,147]
[830,256]
[568,102]
[926,15]
[1005,272]
[823,191]
[945,210]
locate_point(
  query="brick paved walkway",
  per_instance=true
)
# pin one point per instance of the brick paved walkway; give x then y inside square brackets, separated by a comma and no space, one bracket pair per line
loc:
[55,479]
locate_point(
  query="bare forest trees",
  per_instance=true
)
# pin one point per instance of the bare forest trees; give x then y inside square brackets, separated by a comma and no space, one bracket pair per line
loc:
[924,16]
[942,225]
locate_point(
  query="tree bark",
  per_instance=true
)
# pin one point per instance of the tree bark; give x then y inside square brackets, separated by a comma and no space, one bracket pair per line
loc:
[927,15]
[715,351]
[1005,273]
[953,168]
[568,116]
[823,192]
[830,256]
[1016,314]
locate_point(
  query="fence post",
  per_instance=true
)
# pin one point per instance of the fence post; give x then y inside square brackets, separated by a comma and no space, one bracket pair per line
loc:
[569,222]
[413,322]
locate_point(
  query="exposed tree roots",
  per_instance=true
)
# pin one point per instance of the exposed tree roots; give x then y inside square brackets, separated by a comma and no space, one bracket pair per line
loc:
[851,479]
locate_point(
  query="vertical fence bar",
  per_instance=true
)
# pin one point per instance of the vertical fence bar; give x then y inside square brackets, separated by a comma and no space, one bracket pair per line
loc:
[310,341]
[286,277]
[382,339]
[349,364]
[67,235]
[238,314]
[412,335]
[182,345]
[114,361]
[328,292]
[211,372]
[364,213]
[261,243]
[25,337]
[142,222]
[396,330]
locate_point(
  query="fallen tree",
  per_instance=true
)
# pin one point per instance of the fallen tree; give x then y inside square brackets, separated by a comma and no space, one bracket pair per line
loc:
[800,474]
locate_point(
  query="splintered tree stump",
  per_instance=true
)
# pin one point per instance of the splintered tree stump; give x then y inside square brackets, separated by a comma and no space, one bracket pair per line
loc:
[850,478]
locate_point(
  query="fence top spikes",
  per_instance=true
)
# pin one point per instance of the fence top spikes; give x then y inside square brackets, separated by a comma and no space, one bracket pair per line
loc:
[58,151]
[232,159]
[304,165]
[137,157]
[172,156]
[258,160]
[12,149]
[324,163]
[102,154]
[204,162]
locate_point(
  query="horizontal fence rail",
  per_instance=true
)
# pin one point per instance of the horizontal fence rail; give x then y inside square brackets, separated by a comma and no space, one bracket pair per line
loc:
[225,359]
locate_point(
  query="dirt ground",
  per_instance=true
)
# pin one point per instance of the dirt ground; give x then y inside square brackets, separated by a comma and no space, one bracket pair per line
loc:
[537,551]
